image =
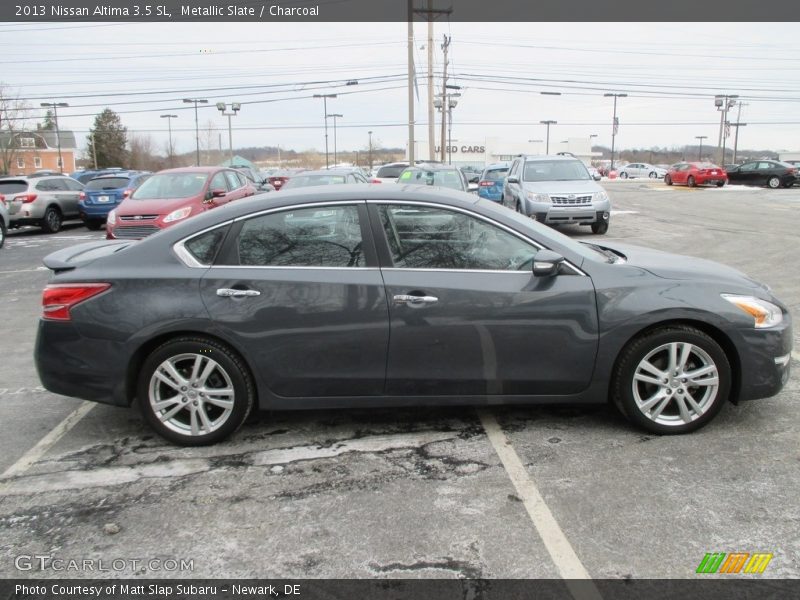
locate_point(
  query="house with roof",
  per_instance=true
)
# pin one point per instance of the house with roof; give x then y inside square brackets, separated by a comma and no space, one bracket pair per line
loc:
[24,152]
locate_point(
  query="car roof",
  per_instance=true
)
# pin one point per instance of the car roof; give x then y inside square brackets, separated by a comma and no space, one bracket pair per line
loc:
[325,172]
[499,165]
[431,167]
[548,157]
[194,170]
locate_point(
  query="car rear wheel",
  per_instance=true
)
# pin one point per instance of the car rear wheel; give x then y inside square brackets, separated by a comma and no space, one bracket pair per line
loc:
[51,222]
[195,391]
[672,380]
[623,175]
[773,182]
[667,179]
[653,175]
[691,182]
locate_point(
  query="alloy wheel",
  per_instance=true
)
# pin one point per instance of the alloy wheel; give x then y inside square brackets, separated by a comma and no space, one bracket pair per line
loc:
[191,394]
[675,384]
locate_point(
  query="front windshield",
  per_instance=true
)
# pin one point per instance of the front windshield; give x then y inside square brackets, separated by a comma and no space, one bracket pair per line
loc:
[555,170]
[165,186]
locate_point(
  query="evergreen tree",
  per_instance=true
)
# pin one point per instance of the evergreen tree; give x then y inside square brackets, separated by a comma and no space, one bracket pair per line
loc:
[49,122]
[108,140]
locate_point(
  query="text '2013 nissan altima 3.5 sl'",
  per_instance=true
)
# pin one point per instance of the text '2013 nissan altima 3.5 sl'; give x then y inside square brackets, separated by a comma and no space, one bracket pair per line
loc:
[390,296]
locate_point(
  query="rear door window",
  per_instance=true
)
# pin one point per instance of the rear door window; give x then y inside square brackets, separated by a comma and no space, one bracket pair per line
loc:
[9,187]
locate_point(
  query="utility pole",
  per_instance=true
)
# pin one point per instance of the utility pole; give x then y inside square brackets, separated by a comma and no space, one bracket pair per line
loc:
[55,106]
[223,109]
[431,113]
[700,152]
[411,82]
[196,101]
[724,103]
[445,46]
[548,123]
[169,126]
[737,125]
[325,110]
[370,150]
[614,123]
[334,117]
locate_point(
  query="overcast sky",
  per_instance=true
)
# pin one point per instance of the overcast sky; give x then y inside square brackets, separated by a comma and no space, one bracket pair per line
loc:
[670,71]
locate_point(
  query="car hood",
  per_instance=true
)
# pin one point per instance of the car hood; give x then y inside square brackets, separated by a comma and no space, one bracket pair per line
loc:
[681,267]
[131,206]
[562,187]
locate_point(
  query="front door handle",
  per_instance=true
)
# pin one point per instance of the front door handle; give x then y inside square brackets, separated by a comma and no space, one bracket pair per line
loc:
[407,299]
[230,293]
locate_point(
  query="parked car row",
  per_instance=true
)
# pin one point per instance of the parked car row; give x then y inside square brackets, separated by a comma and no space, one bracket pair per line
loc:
[770,173]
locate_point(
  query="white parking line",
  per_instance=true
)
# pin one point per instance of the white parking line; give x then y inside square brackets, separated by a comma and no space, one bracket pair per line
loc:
[47,442]
[557,544]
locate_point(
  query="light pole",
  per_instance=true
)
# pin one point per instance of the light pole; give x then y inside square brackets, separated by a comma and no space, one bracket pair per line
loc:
[223,109]
[55,106]
[325,112]
[723,103]
[370,150]
[547,144]
[700,152]
[536,142]
[169,126]
[334,116]
[614,123]
[452,102]
[196,101]
[736,137]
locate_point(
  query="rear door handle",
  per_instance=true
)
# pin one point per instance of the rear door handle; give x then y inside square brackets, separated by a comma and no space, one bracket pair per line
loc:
[230,293]
[407,299]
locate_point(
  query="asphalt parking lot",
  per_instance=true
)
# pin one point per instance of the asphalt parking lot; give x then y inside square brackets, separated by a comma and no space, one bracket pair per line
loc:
[496,493]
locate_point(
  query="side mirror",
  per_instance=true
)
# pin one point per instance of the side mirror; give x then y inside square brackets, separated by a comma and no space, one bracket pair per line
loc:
[218,193]
[512,179]
[546,263]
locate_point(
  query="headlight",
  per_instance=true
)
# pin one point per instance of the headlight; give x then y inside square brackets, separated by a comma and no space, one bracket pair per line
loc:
[765,314]
[600,197]
[112,218]
[177,215]
[534,197]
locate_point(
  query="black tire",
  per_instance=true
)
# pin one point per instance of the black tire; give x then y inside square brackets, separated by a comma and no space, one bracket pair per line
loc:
[653,175]
[691,182]
[720,183]
[518,207]
[52,220]
[623,175]
[182,427]
[3,232]
[667,179]
[773,183]
[93,224]
[624,388]
[599,227]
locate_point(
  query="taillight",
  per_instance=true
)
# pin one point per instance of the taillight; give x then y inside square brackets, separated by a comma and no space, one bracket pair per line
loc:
[26,198]
[486,183]
[82,195]
[792,171]
[59,298]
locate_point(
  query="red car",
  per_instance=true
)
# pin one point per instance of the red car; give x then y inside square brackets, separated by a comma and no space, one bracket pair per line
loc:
[173,195]
[696,173]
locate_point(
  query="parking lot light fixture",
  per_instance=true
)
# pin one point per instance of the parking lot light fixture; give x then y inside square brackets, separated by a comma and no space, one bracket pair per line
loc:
[223,109]
[325,114]
[614,123]
[55,106]
[196,101]
[547,143]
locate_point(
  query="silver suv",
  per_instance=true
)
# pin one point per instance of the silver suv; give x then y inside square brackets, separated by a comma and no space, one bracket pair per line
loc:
[556,190]
[42,201]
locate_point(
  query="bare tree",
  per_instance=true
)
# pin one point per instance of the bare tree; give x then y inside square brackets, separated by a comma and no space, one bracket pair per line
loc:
[142,153]
[13,120]
[209,142]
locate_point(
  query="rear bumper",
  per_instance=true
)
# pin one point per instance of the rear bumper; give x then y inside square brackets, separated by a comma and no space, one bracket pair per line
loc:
[95,211]
[711,180]
[71,365]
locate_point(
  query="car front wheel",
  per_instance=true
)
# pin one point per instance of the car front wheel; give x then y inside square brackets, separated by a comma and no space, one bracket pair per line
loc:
[667,179]
[600,227]
[195,391]
[774,183]
[691,182]
[672,380]
[623,175]
[653,175]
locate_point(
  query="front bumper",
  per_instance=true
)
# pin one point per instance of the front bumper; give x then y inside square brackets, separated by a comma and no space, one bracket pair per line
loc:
[766,358]
[553,214]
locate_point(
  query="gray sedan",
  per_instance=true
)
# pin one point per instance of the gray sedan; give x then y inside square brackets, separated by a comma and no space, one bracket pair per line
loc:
[348,296]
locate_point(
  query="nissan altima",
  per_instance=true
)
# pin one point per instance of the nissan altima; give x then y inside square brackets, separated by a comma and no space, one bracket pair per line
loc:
[355,296]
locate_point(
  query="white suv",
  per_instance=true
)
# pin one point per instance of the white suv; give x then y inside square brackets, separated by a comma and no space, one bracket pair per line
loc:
[556,190]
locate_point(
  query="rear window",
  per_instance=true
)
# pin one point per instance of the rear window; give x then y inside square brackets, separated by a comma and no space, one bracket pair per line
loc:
[313,180]
[13,187]
[107,183]
[442,178]
[390,171]
[495,174]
